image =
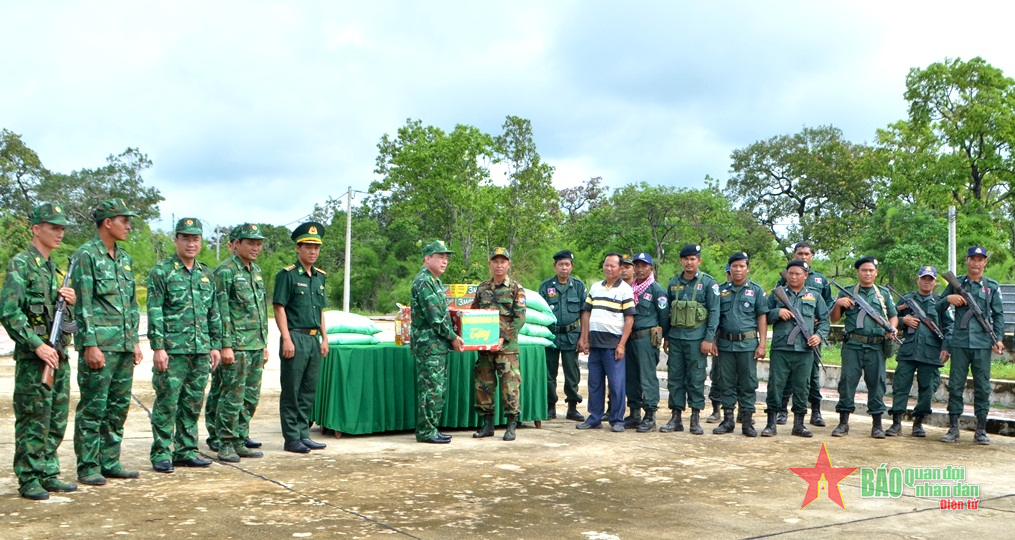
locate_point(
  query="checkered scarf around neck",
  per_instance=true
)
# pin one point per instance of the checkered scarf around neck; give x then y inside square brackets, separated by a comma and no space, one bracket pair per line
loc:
[639,288]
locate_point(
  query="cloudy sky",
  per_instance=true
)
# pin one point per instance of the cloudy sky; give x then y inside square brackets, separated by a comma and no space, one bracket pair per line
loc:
[254,111]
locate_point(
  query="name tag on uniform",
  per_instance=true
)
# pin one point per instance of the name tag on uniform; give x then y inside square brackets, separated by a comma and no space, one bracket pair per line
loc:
[299,284]
[204,280]
[241,278]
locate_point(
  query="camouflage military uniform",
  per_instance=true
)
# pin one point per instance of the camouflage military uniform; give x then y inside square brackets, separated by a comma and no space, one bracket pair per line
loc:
[107,314]
[432,334]
[235,388]
[183,320]
[40,415]
[508,298]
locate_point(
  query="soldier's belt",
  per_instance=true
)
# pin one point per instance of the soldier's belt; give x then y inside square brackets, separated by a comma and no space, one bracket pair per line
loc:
[558,329]
[870,340]
[307,331]
[738,337]
[644,333]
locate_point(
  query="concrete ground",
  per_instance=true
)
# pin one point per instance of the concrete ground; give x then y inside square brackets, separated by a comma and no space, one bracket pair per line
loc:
[554,482]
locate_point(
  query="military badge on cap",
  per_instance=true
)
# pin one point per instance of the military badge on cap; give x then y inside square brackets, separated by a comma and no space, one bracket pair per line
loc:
[563,254]
[500,252]
[48,213]
[690,250]
[977,250]
[110,209]
[864,260]
[437,246]
[927,271]
[249,231]
[189,226]
[310,232]
[626,259]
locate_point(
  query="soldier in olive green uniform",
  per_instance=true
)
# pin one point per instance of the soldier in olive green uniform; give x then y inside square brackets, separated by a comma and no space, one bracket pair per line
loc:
[652,313]
[432,338]
[920,354]
[240,296]
[863,350]
[694,318]
[565,295]
[508,297]
[107,316]
[971,343]
[299,300]
[803,251]
[27,305]
[185,331]
[743,325]
[792,353]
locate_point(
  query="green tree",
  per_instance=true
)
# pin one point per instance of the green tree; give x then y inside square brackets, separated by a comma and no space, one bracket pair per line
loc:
[21,171]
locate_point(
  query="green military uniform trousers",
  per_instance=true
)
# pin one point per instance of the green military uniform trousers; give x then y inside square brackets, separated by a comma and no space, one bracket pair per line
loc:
[227,398]
[251,393]
[793,369]
[179,394]
[928,378]
[299,386]
[813,387]
[555,359]
[738,376]
[685,368]
[102,411]
[962,361]
[489,367]
[715,380]
[40,421]
[871,363]
[431,386]
[642,384]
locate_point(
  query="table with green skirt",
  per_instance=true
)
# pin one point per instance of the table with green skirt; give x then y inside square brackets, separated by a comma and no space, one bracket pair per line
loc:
[372,388]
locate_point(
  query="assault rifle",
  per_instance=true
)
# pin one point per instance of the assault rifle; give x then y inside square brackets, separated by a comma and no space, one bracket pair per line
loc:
[918,312]
[974,307]
[869,311]
[798,320]
[58,330]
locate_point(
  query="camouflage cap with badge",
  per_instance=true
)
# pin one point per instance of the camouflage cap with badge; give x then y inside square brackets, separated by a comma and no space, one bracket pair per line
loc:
[111,208]
[437,246]
[310,232]
[189,226]
[247,231]
[500,252]
[48,213]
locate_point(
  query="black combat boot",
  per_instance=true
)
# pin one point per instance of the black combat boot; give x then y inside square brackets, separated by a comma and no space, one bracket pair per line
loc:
[980,436]
[675,423]
[877,431]
[695,426]
[648,423]
[747,424]
[816,419]
[486,430]
[573,414]
[509,432]
[918,426]
[727,425]
[770,429]
[953,429]
[782,416]
[633,420]
[799,429]
[714,417]
[551,413]
[896,427]
[843,428]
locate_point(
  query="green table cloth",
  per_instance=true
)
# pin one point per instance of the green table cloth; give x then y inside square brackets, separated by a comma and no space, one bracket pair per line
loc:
[372,388]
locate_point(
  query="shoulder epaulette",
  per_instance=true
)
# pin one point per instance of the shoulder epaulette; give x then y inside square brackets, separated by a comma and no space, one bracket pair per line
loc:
[290,268]
[321,271]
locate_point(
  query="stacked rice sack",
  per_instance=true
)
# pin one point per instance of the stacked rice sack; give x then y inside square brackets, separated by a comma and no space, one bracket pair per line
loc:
[538,317]
[345,328]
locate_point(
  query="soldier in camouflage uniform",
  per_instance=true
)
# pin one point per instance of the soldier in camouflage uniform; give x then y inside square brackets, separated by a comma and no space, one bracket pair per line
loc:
[211,403]
[107,315]
[299,300]
[185,331]
[508,297]
[431,336]
[30,291]
[240,295]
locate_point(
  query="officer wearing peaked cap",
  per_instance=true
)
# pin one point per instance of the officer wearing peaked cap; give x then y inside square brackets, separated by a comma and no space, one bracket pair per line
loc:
[565,294]
[299,300]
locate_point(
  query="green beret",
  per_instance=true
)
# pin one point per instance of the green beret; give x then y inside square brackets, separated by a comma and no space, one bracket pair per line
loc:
[110,209]
[310,232]
[48,213]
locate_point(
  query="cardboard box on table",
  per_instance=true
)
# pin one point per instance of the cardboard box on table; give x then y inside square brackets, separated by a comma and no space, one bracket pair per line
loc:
[478,328]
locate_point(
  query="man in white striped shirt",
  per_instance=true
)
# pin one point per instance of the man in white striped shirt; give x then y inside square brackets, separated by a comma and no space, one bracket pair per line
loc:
[606,321]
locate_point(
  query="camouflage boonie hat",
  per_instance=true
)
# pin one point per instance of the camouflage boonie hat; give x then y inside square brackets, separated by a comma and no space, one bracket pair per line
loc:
[310,232]
[500,252]
[247,230]
[189,226]
[48,213]
[110,209]
[437,246]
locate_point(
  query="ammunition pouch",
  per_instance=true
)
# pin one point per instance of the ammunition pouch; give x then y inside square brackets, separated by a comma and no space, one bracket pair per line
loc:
[687,314]
[889,347]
